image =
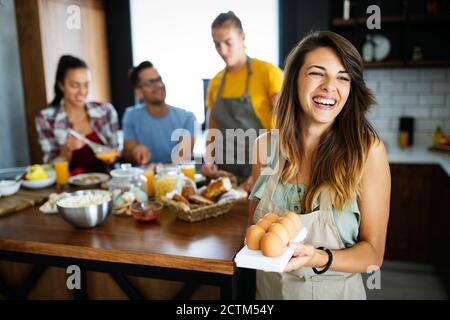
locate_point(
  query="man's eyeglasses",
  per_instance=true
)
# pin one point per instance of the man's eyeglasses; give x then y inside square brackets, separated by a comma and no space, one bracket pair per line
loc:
[150,82]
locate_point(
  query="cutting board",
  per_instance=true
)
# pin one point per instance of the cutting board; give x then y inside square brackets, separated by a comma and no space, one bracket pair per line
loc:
[440,148]
[21,200]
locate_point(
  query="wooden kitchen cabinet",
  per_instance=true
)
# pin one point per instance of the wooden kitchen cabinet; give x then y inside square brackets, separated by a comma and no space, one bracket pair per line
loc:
[410,220]
[440,239]
[419,223]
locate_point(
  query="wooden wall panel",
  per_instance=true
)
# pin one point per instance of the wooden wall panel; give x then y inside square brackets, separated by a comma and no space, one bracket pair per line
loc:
[32,66]
[88,43]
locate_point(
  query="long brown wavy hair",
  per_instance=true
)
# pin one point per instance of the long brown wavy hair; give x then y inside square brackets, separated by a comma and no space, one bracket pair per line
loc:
[344,146]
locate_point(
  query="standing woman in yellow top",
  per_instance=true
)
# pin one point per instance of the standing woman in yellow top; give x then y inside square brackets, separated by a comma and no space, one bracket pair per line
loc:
[241,96]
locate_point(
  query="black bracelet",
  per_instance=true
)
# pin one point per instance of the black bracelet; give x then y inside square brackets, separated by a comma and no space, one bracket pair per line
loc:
[330,261]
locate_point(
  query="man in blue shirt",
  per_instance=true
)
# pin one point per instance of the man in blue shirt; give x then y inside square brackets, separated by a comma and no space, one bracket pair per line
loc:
[148,127]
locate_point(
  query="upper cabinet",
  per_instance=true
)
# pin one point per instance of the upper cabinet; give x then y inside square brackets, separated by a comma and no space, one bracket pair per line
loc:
[412,33]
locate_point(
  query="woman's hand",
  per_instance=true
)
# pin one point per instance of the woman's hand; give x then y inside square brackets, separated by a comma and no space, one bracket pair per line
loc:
[73,143]
[306,255]
[247,184]
[209,170]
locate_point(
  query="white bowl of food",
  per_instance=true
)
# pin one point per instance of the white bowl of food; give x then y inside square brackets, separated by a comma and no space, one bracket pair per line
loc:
[47,181]
[86,208]
[9,187]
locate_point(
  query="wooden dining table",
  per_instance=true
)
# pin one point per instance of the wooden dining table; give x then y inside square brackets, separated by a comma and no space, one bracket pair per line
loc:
[168,248]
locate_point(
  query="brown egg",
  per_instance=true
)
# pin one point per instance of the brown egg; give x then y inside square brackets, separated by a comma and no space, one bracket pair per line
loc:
[253,237]
[271,245]
[280,231]
[264,223]
[296,219]
[271,217]
[289,225]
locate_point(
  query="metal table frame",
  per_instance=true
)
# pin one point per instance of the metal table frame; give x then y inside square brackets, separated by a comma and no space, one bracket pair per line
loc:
[119,271]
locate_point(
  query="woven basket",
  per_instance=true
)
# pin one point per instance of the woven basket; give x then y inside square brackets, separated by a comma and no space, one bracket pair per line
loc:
[203,213]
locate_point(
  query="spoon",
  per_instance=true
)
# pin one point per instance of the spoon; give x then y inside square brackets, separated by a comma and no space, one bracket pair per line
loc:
[97,148]
[20,176]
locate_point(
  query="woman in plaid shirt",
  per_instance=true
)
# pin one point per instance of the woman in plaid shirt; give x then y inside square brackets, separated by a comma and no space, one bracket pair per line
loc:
[69,109]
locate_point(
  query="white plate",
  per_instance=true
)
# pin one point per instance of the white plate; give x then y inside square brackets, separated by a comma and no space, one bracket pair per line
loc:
[254,259]
[43,183]
[382,47]
[78,179]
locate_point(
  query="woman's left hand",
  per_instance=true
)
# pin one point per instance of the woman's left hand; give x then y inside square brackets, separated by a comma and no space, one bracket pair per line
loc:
[247,184]
[303,257]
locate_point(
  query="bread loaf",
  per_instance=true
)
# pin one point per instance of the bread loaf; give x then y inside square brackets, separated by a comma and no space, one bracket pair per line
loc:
[177,197]
[200,200]
[217,188]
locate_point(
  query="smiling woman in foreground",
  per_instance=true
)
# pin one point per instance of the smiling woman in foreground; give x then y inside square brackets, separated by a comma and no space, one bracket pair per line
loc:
[330,167]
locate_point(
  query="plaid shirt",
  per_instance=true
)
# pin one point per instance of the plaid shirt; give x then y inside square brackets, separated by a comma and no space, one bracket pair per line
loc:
[52,124]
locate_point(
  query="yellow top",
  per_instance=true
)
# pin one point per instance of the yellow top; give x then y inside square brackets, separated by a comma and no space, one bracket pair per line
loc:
[265,82]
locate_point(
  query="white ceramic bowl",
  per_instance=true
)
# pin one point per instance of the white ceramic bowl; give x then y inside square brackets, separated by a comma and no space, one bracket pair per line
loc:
[9,187]
[43,183]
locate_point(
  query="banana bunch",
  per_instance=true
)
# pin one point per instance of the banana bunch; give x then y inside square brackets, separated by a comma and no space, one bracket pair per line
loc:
[36,172]
[438,136]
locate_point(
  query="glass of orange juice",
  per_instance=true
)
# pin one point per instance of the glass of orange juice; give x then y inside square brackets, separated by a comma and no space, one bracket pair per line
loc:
[61,166]
[188,169]
[150,175]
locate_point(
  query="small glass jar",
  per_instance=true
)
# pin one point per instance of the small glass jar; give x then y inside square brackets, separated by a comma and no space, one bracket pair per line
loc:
[127,185]
[166,179]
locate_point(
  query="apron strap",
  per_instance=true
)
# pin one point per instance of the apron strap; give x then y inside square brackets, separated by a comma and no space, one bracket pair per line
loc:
[247,82]
[278,162]
[249,73]
[325,200]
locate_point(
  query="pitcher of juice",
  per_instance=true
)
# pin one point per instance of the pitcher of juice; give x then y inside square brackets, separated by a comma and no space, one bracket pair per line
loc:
[61,166]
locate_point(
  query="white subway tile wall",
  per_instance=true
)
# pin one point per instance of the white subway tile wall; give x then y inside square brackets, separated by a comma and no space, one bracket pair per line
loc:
[420,93]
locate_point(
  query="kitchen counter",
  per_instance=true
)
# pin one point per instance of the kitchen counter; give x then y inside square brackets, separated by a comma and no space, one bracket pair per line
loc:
[419,155]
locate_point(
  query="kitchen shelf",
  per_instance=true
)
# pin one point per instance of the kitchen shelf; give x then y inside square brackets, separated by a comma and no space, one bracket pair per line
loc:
[407,64]
[384,64]
[410,29]
[339,22]
[362,20]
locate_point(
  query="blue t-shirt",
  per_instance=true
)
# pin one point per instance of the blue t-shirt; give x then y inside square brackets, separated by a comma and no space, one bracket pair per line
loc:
[154,132]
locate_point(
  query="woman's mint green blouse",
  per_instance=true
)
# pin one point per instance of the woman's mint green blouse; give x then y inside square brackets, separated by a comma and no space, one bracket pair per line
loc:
[287,196]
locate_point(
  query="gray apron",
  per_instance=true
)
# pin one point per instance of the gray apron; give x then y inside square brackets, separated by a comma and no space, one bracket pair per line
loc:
[235,113]
[304,283]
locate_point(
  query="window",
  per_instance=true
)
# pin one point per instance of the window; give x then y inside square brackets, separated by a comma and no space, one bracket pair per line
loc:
[176,37]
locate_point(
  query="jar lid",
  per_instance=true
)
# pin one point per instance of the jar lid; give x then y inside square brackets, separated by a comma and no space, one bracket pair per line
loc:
[126,171]
[168,169]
